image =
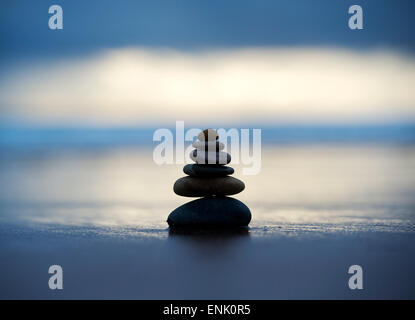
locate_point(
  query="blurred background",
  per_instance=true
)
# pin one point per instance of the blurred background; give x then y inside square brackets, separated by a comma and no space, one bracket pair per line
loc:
[135,64]
[117,71]
[78,108]
[95,91]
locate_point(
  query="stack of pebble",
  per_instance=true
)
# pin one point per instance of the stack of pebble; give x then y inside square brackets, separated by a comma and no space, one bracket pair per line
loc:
[209,178]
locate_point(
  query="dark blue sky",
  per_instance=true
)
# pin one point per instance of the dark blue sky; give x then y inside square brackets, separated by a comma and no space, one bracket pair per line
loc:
[195,24]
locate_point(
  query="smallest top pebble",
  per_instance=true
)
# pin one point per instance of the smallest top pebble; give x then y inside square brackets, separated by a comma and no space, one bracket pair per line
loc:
[208,135]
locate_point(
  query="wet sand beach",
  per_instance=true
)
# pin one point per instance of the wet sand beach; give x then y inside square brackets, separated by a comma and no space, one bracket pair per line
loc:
[101,214]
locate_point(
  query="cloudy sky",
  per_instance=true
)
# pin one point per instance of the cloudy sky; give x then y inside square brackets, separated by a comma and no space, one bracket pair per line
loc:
[141,62]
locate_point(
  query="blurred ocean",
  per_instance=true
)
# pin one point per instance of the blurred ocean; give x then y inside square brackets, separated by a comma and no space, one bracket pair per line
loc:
[17,137]
[89,179]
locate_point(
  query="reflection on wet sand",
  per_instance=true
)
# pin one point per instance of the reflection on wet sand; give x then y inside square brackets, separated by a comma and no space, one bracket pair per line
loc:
[209,233]
[207,244]
[314,188]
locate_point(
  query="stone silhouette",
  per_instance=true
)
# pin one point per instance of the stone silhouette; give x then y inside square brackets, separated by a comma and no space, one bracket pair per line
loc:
[209,178]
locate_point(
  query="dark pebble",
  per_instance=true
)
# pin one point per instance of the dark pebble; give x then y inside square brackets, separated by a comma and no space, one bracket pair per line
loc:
[214,212]
[207,171]
[203,187]
[201,157]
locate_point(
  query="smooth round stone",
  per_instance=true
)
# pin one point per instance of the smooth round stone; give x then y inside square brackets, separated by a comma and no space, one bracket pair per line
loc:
[208,134]
[208,145]
[215,212]
[204,171]
[203,157]
[203,187]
